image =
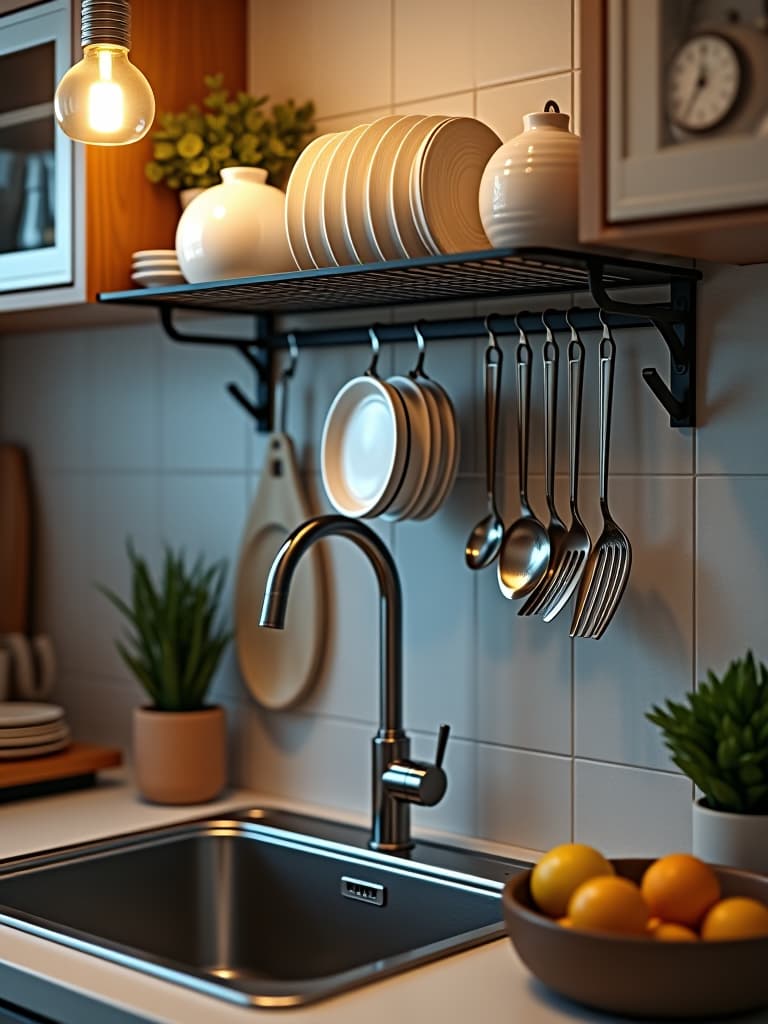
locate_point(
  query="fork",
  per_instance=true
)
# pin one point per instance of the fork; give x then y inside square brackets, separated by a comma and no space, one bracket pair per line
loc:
[573,554]
[556,527]
[609,563]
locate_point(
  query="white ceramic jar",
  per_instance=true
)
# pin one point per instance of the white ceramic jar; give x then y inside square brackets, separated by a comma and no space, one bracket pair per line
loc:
[529,189]
[235,229]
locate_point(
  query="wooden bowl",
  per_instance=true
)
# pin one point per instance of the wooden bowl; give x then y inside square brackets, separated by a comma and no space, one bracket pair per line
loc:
[639,977]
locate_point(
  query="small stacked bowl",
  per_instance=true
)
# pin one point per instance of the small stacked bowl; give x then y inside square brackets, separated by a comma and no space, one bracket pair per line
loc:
[155,268]
[401,187]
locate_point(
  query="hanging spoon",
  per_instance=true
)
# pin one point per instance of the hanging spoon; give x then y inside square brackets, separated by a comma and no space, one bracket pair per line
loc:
[485,540]
[524,555]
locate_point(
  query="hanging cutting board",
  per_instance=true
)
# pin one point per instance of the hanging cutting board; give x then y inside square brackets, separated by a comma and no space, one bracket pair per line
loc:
[15,540]
[279,666]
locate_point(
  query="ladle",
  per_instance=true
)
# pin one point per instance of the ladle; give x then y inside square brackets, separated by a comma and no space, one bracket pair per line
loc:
[484,542]
[524,554]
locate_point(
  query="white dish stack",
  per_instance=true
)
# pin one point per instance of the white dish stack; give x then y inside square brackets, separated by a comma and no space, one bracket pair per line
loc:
[156,268]
[31,729]
[399,188]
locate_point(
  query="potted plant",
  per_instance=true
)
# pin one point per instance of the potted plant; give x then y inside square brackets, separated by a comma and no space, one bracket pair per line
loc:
[173,648]
[720,740]
[191,147]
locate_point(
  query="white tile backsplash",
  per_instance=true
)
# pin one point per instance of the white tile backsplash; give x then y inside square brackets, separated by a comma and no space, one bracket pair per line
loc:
[131,434]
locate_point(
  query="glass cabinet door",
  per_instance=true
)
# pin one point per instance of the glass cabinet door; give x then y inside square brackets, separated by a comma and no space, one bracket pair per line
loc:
[35,155]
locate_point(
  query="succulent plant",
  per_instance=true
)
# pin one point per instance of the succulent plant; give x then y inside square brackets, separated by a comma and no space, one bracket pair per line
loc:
[191,147]
[174,643]
[720,738]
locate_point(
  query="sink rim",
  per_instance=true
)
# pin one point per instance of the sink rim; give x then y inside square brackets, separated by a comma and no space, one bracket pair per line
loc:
[277,828]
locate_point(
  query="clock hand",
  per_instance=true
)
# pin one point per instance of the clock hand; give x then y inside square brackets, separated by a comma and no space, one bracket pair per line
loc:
[701,83]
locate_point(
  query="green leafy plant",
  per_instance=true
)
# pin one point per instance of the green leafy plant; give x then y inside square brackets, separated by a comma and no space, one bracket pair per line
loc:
[173,644]
[720,738]
[191,147]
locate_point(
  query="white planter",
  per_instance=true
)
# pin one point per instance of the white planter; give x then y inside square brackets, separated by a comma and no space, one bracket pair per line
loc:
[235,229]
[736,840]
[529,189]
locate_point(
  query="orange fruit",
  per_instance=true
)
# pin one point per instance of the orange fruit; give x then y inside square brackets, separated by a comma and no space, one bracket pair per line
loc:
[680,888]
[737,917]
[565,922]
[674,933]
[609,904]
[652,924]
[561,871]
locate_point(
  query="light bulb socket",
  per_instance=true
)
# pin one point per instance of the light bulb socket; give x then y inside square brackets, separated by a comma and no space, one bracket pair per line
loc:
[105,21]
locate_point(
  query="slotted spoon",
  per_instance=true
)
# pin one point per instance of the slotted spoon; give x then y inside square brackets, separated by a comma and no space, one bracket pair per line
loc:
[609,563]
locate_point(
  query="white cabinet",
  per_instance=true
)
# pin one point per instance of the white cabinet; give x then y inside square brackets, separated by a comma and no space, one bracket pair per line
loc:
[36,159]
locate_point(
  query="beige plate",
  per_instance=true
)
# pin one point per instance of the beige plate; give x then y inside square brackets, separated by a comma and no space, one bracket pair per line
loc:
[38,750]
[314,229]
[401,220]
[333,223]
[278,666]
[33,737]
[354,188]
[294,202]
[451,167]
[23,712]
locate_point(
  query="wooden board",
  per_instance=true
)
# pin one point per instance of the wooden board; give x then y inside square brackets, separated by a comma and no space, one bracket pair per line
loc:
[78,759]
[14,540]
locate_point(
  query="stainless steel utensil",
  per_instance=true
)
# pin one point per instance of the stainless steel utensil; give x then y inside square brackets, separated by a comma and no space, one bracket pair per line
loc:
[485,540]
[524,554]
[607,570]
[556,528]
[573,554]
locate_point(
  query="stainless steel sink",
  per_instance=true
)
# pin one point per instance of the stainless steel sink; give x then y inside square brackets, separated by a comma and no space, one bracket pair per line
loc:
[259,907]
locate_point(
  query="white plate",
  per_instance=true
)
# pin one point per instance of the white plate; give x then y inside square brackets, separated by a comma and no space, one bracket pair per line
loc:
[414,197]
[353,189]
[34,751]
[153,254]
[156,263]
[450,454]
[312,211]
[364,447]
[418,449]
[27,712]
[437,453]
[294,201]
[333,222]
[377,219]
[42,739]
[399,207]
[450,169]
[157,278]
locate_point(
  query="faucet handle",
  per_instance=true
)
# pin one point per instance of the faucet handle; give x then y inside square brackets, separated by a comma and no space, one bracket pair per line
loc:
[418,782]
[442,742]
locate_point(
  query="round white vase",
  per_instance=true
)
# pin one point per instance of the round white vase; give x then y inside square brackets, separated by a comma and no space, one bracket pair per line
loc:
[235,229]
[736,840]
[529,189]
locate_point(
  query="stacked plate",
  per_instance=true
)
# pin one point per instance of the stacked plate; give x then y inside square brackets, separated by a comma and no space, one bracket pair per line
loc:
[31,729]
[389,448]
[153,268]
[398,188]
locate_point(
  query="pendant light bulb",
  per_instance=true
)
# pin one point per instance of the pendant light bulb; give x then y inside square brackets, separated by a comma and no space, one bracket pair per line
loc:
[104,100]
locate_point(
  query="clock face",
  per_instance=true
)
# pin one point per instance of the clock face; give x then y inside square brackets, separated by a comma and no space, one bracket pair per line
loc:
[703,83]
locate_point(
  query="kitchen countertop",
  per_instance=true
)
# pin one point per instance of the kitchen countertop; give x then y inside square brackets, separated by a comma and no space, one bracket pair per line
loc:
[485,984]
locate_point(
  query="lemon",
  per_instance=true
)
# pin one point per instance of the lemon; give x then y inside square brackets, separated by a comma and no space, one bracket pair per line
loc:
[561,871]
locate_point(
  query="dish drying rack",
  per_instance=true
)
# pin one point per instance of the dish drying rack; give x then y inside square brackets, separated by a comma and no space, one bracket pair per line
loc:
[494,273]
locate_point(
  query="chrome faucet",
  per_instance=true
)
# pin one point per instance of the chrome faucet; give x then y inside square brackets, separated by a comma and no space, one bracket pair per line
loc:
[398,782]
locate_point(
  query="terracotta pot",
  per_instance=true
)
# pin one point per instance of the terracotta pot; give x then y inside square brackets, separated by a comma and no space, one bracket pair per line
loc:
[737,840]
[180,756]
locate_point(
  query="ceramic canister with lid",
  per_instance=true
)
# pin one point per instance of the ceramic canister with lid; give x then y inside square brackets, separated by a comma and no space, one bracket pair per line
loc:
[529,189]
[235,229]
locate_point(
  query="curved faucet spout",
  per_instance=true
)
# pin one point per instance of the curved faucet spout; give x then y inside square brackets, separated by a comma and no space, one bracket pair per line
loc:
[391,654]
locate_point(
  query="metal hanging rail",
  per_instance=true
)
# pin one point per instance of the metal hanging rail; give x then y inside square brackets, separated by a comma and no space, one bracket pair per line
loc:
[497,273]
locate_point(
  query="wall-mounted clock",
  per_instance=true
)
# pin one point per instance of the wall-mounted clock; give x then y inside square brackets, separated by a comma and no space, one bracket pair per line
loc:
[717,82]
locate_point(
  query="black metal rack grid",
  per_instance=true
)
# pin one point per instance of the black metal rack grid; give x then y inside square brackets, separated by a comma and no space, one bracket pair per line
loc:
[495,273]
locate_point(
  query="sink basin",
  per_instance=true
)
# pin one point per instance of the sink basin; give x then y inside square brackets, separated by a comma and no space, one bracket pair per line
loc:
[258,907]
